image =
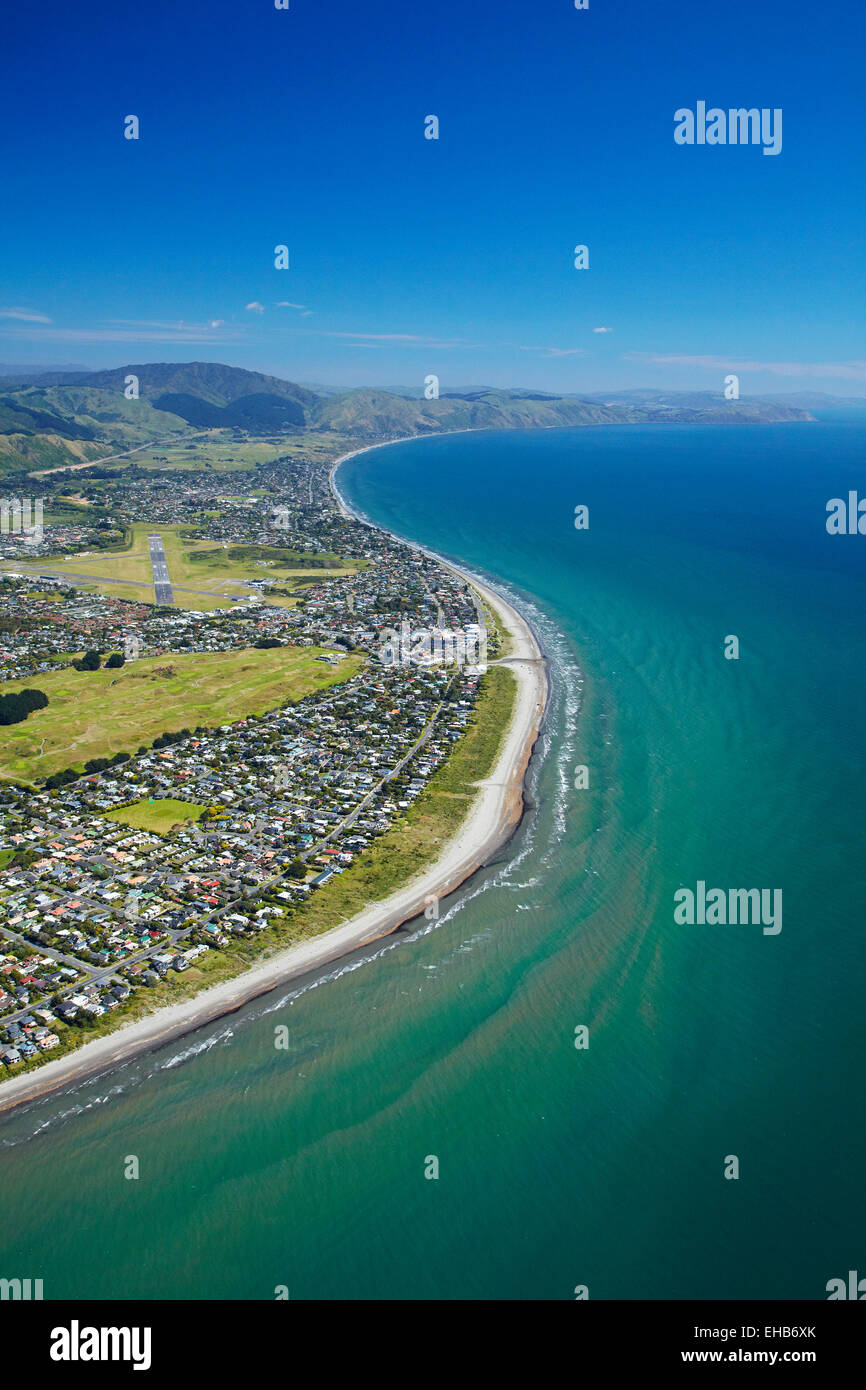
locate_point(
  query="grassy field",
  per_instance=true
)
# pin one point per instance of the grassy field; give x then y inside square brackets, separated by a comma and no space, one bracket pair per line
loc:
[160,816]
[94,714]
[132,563]
[220,451]
[203,584]
[209,565]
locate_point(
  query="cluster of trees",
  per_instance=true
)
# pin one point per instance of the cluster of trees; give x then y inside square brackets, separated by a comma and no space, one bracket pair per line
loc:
[89,662]
[60,779]
[92,659]
[110,539]
[100,764]
[166,739]
[268,642]
[71,774]
[14,708]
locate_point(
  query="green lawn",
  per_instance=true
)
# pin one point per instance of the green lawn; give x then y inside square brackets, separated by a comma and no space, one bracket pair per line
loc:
[160,816]
[94,714]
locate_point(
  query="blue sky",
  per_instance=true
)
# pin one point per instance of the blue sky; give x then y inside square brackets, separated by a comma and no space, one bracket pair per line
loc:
[455,257]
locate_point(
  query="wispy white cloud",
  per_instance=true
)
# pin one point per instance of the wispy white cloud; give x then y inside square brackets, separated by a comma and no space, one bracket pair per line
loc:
[848,371]
[302,308]
[602,330]
[556,352]
[404,339]
[132,331]
[256,307]
[174,325]
[26,315]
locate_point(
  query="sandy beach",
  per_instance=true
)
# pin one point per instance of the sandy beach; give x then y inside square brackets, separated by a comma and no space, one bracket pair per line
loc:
[493,818]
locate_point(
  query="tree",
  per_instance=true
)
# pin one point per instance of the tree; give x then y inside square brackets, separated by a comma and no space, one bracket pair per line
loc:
[15,708]
[60,779]
[115,661]
[89,662]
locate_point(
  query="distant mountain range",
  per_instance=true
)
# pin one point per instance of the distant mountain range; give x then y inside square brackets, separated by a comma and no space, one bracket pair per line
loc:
[28,371]
[708,400]
[49,418]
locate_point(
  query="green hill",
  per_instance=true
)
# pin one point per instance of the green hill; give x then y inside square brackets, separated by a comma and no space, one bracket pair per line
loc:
[34,451]
[54,418]
[373,414]
[18,417]
[261,412]
[207,381]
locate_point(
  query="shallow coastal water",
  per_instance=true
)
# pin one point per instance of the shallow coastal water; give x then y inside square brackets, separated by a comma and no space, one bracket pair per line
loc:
[558,1167]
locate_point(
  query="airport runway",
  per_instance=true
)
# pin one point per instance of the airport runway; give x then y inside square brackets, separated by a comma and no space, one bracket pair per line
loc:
[161,580]
[79,580]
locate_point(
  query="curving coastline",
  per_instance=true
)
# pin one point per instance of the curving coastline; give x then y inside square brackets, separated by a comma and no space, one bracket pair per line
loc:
[495,814]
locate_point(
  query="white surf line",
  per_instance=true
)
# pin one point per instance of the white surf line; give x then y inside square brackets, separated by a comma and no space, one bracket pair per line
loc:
[492,819]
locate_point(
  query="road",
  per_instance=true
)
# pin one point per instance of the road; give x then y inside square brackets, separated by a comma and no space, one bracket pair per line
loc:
[161,577]
[112,458]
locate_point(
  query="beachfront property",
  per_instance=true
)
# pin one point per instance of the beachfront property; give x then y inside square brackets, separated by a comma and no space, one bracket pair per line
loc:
[101,897]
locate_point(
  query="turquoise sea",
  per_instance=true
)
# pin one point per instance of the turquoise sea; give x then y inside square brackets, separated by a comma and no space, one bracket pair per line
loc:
[557,1167]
